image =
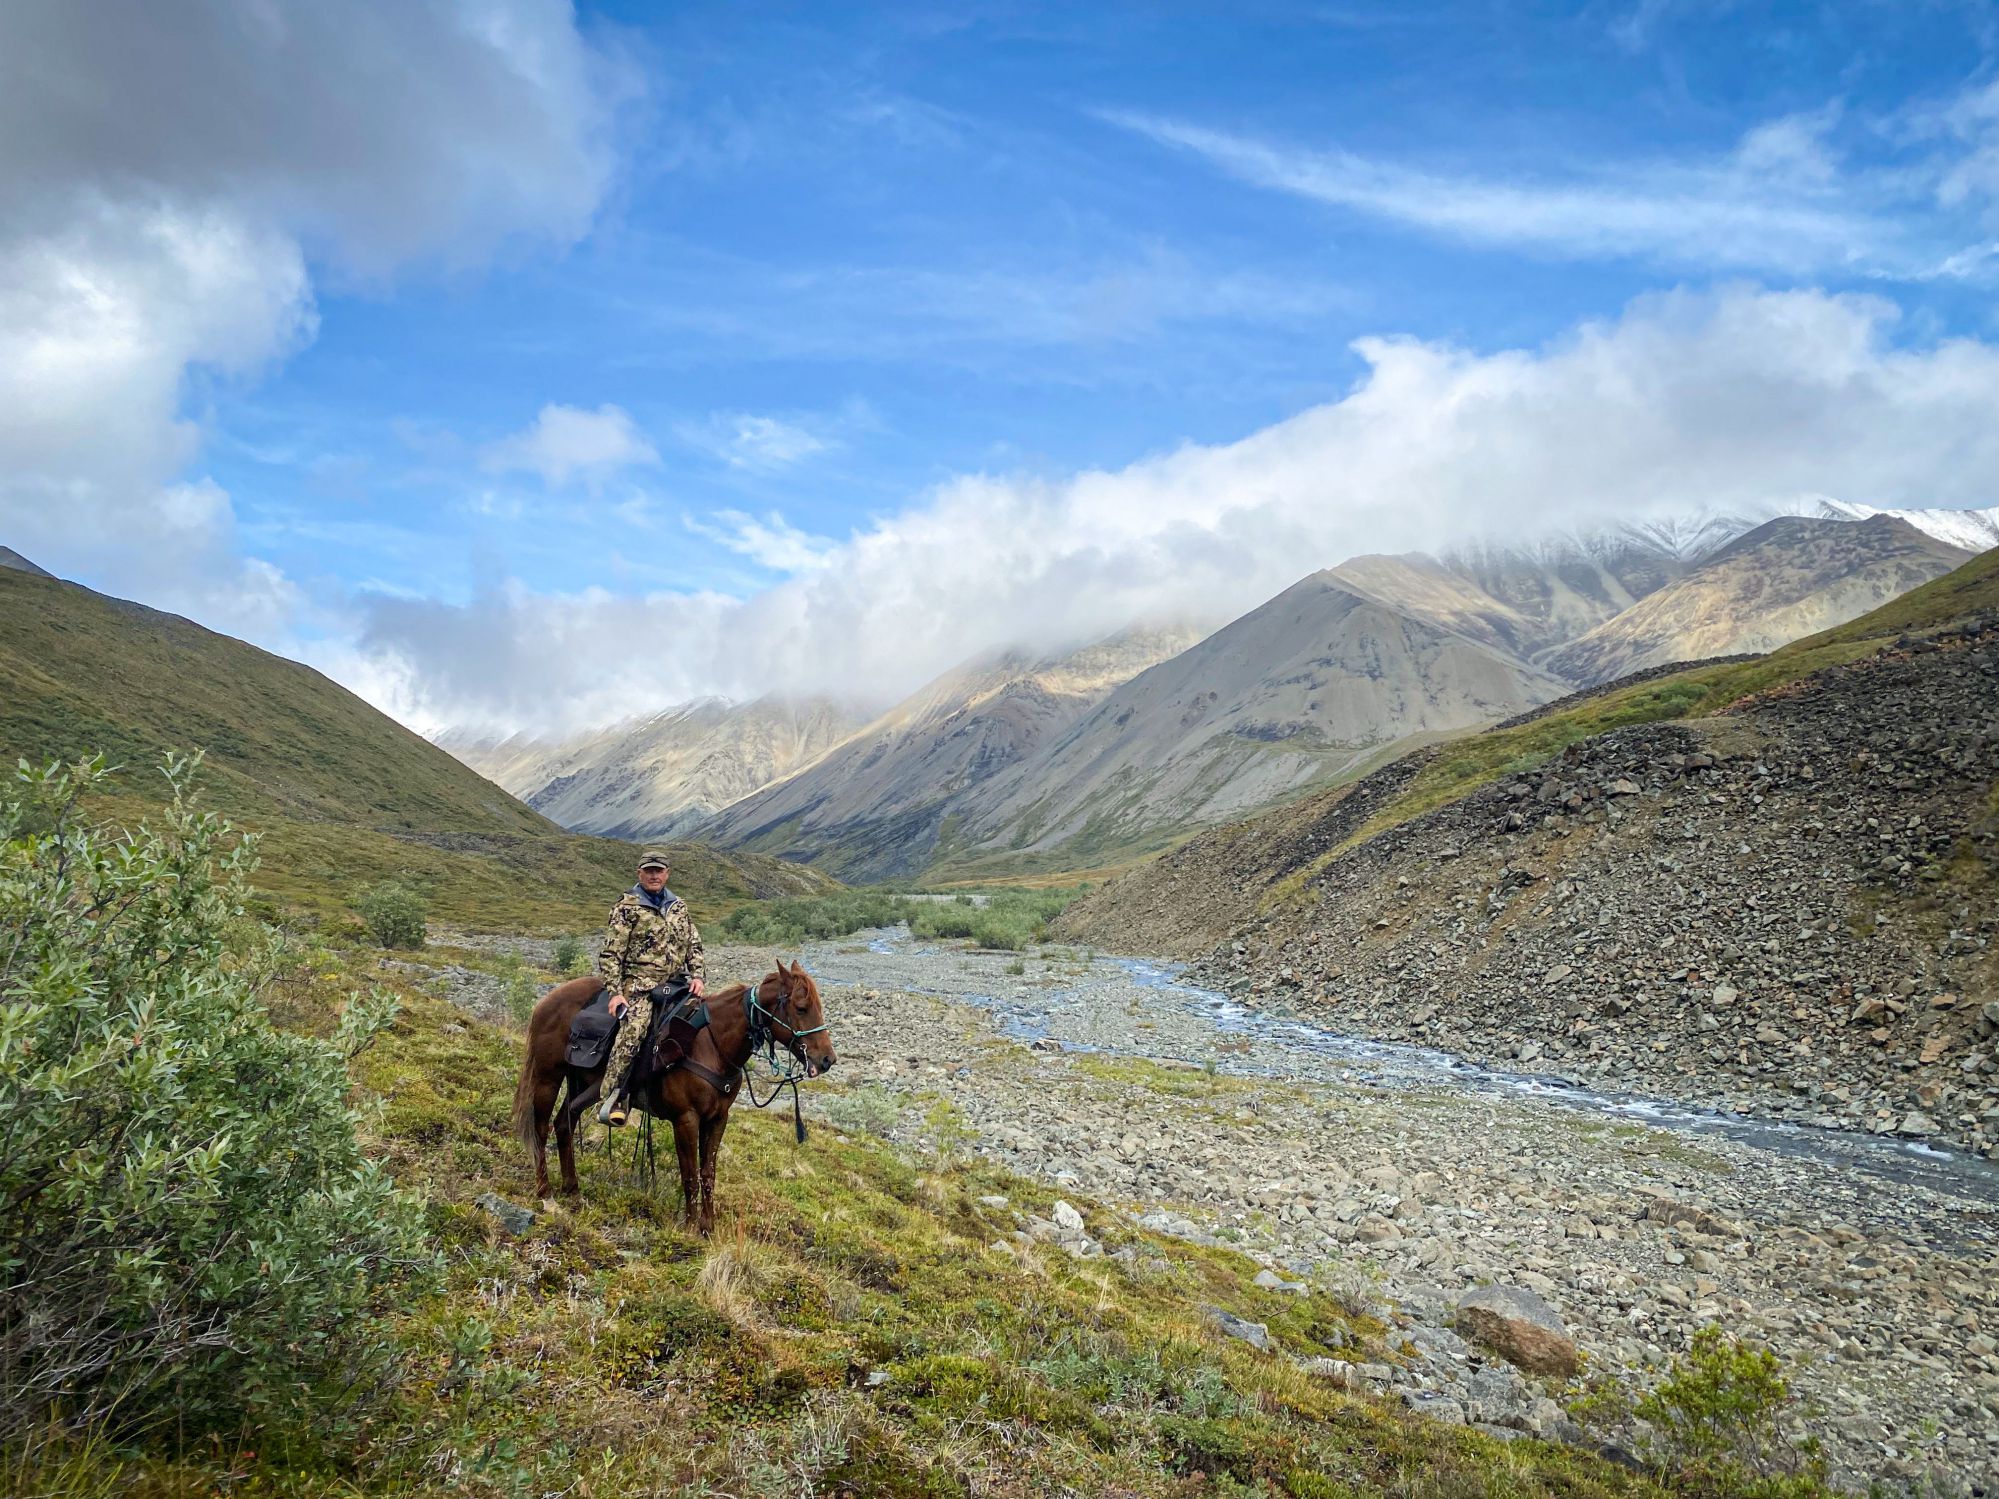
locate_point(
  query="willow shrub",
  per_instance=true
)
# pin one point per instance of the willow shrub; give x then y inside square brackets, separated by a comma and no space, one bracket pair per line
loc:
[394,914]
[190,1236]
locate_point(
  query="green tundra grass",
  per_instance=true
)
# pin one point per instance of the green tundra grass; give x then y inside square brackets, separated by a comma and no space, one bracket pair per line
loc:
[850,1329]
[344,795]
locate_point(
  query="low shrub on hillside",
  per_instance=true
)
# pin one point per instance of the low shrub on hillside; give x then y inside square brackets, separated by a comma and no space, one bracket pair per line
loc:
[518,987]
[872,1110]
[394,914]
[569,957]
[189,1232]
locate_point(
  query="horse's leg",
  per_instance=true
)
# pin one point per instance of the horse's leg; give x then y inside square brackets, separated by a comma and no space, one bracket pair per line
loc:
[545,1095]
[711,1150]
[582,1093]
[687,1144]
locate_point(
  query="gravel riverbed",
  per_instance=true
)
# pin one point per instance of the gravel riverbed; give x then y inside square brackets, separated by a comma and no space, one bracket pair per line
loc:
[1873,1271]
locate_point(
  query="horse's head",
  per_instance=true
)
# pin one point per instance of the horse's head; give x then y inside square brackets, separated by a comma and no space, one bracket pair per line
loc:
[798,1020]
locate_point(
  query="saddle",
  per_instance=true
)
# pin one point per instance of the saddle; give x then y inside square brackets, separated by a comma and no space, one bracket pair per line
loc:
[675,1024]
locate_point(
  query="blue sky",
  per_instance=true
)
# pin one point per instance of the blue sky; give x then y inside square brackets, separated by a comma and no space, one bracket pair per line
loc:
[657,315]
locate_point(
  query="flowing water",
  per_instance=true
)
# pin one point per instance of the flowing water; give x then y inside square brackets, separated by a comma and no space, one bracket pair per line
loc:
[1094,1011]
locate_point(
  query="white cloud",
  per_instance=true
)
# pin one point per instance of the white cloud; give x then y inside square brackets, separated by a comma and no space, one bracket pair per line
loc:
[1796,148]
[1736,213]
[170,175]
[566,443]
[762,443]
[380,132]
[765,442]
[1728,401]
[1972,122]
[771,542]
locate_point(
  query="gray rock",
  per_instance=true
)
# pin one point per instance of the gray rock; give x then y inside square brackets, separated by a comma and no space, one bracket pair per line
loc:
[1066,1217]
[1439,1407]
[1253,1333]
[1335,1371]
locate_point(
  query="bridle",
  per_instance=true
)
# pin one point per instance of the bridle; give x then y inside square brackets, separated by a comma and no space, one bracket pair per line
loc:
[762,1022]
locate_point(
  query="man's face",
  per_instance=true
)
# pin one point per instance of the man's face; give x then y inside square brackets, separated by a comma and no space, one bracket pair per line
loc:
[653,877]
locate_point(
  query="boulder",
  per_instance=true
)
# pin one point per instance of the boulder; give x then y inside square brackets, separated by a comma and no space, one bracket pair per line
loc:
[1521,1328]
[1253,1333]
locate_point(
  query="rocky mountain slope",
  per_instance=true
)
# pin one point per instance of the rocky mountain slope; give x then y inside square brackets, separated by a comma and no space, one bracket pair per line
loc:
[872,807]
[9,558]
[658,776]
[1375,653]
[1770,884]
[345,794]
[1560,586]
[1786,579]
[1304,687]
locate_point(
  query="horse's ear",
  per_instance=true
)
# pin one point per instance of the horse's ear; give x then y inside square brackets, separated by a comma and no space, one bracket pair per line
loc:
[796,970]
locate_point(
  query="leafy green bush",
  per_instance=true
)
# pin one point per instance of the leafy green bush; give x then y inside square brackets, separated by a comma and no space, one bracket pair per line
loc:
[569,956]
[190,1235]
[1716,1417]
[1010,919]
[788,922]
[394,913]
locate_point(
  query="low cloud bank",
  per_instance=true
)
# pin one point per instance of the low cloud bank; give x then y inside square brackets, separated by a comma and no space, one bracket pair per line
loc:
[1728,401]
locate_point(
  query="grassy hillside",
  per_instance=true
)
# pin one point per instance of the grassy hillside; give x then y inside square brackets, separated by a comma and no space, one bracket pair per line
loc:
[852,1329]
[343,794]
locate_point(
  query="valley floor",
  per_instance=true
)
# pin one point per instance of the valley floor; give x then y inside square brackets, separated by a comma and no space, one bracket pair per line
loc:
[1881,1293]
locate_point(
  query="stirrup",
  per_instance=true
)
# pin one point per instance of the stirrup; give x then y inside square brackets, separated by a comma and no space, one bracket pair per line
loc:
[614,1111]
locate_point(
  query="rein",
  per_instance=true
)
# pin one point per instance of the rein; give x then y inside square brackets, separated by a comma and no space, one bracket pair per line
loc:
[761,1023]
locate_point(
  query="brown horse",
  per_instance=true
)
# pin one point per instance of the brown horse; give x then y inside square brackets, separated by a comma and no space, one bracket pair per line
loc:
[783,1007]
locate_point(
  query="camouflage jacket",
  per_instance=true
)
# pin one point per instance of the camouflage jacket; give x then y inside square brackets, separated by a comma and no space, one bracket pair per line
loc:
[645,946]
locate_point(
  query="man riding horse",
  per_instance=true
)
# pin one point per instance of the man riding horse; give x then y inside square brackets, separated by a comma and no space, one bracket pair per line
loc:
[651,942]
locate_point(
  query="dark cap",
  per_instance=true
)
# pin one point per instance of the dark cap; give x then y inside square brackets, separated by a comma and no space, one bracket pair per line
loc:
[653,856]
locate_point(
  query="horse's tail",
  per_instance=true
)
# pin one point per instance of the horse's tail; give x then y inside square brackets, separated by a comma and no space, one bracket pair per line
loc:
[524,1122]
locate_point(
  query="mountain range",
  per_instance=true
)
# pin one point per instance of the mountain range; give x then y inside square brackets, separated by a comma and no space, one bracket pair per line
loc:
[864,807]
[1016,760]
[657,776]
